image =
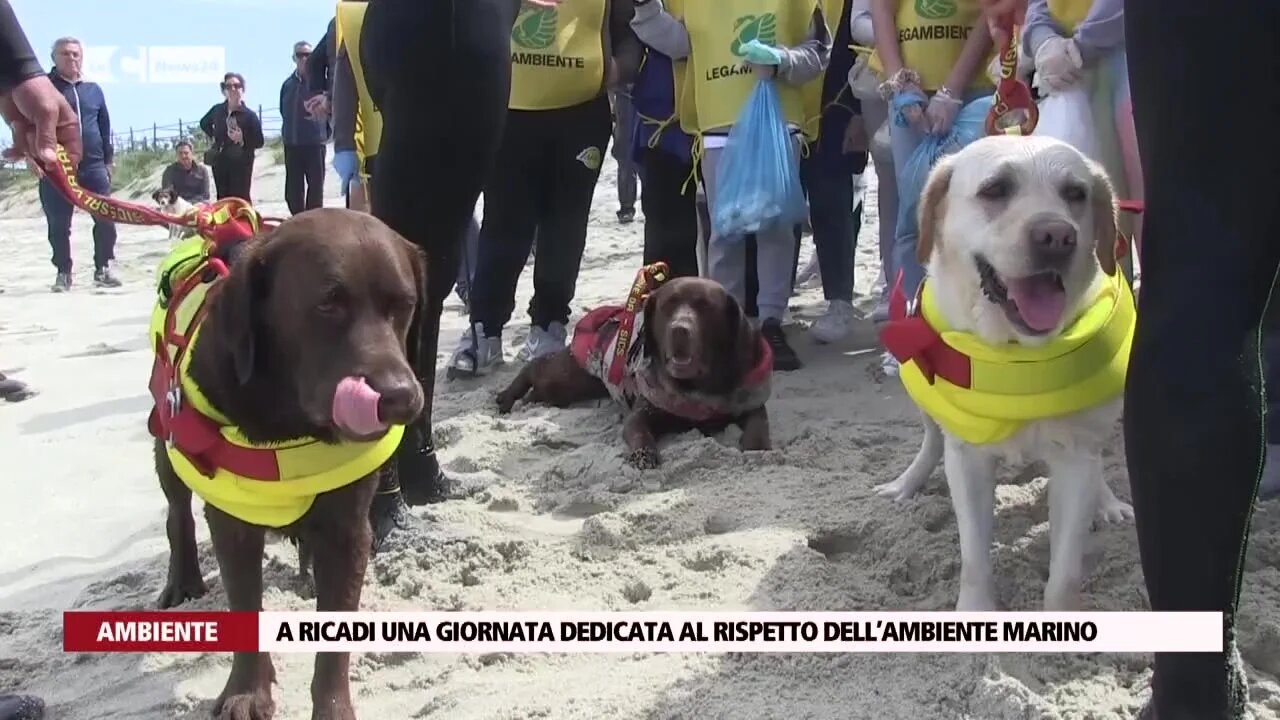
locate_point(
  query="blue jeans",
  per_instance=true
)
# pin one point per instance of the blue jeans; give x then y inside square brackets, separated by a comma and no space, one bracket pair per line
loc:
[904,141]
[58,211]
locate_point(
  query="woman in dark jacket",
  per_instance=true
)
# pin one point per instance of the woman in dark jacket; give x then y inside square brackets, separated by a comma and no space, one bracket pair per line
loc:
[236,132]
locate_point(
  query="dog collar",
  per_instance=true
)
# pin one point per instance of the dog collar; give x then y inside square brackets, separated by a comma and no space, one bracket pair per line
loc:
[985,393]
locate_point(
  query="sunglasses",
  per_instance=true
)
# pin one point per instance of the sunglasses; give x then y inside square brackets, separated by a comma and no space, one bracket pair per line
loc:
[232,86]
[301,55]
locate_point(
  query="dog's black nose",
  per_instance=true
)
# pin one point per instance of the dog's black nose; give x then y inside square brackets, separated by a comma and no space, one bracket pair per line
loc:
[1053,236]
[681,341]
[400,399]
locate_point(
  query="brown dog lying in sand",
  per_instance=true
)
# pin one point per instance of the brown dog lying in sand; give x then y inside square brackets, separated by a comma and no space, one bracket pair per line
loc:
[288,401]
[693,362]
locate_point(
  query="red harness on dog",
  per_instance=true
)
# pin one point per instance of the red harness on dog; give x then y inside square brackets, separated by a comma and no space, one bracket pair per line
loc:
[605,345]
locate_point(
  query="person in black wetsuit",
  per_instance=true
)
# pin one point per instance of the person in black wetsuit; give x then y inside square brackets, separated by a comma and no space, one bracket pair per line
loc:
[1193,420]
[39,117]
[440,73]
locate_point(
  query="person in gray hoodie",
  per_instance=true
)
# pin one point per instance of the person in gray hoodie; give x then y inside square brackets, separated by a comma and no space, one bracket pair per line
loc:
[776,248]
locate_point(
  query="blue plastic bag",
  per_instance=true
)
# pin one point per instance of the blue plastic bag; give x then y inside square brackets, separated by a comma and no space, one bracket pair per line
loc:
[970,124]
[758,175]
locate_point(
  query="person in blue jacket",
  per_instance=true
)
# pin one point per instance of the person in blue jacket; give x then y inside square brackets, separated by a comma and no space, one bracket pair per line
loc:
[93,173]
[664,155]
[304,135]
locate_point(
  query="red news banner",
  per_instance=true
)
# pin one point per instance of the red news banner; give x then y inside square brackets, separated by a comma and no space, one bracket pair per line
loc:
[605,632]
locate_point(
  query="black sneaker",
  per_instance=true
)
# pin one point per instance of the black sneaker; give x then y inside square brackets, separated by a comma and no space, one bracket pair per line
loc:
[422,481]
[14,391]
[104,278]
[627,216]
[784,358]
[62,283]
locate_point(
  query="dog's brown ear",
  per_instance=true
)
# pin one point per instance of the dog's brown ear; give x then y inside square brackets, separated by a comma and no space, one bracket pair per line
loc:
[1105,210]
[413,343]
[234,313]
[933,205]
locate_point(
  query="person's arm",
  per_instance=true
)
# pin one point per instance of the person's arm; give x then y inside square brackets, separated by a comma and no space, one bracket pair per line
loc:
[809,59]
[206,123]
[318,81]
[344,104]
[17,59]
[884,16]
[656,28]
[253,133]
[1040,27]
[286,107]
[1102,29]
[861,29]
[208,184]
[976,49]
[626,47]
[104,127]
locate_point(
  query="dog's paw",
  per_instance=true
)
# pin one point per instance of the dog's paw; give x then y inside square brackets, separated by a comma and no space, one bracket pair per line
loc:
[899,490]
[333,711]
[1113,510]
[643,458]
[180,590]
[751,443]
[249,706]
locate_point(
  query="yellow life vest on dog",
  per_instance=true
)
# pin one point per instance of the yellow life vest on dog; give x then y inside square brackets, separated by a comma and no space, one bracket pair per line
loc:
[983,394]
[368,134]
[558,55]
[272,485]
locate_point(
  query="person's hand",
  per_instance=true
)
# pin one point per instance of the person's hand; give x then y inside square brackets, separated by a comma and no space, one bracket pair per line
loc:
[40,120]
[941,112]
[764,72]
[317,107]
[997,10]
[111,170]
[1058,64]
[347,164]
[912,112]
[855,136]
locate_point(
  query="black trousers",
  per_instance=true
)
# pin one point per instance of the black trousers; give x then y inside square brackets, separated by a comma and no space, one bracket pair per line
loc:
[303,177]
[670,212]
[439,141]
[1193,401]
[542,184]
[233,178]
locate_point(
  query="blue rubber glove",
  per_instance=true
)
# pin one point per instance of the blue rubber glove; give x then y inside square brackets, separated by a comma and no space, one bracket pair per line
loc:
[762,59]
[347,164]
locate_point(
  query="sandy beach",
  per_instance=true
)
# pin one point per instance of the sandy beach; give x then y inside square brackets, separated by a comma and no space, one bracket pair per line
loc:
[554,520]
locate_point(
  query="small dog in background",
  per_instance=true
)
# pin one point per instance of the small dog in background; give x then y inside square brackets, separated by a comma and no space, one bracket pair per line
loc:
[170,203]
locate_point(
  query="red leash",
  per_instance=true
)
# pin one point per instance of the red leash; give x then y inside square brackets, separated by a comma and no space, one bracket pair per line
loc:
[223,223]
[1012,96]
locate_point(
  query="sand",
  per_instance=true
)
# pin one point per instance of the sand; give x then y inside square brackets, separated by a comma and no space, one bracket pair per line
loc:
[554,521]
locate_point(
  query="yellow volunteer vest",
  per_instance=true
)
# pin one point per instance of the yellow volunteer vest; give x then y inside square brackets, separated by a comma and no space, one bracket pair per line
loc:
[368,119]
[1012,385]
[720,83]
[557,55]
[1069,13]
[308,467]
[832,11]
[931,35]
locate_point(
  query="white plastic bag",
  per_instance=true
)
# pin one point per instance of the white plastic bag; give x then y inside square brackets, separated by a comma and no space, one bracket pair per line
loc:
[1068,116]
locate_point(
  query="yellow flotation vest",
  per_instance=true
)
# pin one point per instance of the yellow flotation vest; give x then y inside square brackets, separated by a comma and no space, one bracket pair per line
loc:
[1069,13]
[717,83]
[271,485]
[557,55]
[931,36]
[368,133]
[984,394]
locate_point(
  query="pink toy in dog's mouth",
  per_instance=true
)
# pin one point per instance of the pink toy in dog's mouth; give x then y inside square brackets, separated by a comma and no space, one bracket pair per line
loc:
[355,408]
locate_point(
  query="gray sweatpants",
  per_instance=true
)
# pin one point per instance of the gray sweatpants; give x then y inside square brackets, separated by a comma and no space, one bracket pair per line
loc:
[727,256]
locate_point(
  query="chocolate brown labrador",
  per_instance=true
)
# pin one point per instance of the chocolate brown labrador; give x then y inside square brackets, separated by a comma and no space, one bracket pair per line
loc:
[329,294]
[701,351]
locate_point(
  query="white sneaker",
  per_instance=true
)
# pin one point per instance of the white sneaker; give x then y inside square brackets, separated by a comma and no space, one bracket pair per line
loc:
[889,364]
[880,313]
[543,342]
[475,354]
[809,273]
[833,326]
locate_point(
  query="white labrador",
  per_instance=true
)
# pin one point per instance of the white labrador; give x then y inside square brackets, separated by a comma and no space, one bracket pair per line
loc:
[1004,209]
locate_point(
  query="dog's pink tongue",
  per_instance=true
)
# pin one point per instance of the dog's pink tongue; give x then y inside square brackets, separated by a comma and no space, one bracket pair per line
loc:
[355,407]
[1040,300]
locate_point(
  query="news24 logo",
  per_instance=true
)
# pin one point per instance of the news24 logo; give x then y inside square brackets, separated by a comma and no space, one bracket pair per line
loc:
[156,64]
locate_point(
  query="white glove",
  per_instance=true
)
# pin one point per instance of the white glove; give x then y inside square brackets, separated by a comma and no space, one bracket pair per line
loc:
[1058,64]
